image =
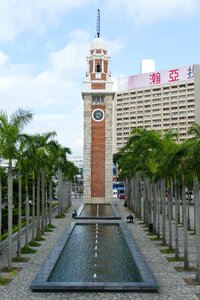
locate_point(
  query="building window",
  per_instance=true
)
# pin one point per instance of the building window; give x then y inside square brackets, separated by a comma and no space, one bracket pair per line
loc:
[98,68]
[97,99]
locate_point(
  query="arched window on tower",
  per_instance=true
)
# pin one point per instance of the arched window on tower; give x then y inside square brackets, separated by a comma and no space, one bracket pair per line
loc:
[98,68]
[98,99]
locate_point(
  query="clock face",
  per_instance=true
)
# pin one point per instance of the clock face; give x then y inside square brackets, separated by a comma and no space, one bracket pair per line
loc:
[98,115]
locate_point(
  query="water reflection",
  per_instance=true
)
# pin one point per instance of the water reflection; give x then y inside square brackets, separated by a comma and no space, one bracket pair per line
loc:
[95,253]
[97,210]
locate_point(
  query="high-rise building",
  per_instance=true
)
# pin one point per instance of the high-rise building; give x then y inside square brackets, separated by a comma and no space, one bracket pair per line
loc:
[159,100]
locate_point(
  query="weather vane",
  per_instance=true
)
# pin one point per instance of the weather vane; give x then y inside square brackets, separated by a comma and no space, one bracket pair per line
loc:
[98,23]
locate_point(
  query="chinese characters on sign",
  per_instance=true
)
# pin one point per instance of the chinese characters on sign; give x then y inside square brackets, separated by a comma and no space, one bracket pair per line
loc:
[155,78]
[162,77]
[190,73]
[173,75]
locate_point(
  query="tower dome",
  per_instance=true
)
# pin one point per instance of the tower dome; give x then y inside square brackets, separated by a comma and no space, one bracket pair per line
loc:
[98,43]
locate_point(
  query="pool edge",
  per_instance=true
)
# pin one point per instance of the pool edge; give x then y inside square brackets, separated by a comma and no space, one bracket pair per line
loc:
[150,284]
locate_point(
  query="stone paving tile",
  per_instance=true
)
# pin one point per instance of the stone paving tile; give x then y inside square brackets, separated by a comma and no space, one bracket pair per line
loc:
[172,285]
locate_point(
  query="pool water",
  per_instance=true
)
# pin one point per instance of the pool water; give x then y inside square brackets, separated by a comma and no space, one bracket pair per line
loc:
[95,253]
[97,210]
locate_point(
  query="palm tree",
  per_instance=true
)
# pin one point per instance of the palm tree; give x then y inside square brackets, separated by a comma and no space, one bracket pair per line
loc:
[197,214]
[139,159]
[27,210]
[154,158]
[1,171]
[21,157]
[176,187]
[29,154]
[194,164]
[163,199]
[69,171]
[19,215]
[41,144]
[61,153]
[169,167]
[186,260]
[10,131]
[28,162]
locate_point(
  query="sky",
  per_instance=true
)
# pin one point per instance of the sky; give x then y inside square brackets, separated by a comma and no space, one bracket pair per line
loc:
[44,44]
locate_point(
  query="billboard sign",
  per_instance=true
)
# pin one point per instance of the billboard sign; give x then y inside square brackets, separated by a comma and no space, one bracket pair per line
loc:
[161,77]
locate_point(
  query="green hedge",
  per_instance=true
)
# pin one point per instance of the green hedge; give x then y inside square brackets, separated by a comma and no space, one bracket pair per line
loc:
[14,229]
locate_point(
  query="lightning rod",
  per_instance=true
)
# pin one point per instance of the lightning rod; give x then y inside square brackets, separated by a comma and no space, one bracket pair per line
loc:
[98,23]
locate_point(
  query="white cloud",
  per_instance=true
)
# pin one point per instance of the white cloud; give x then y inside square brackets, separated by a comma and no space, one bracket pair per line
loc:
[147,11]
[61,83]
[69,128]
[3,59]
[71,59]
[115,47]
[18,16]
[53,94]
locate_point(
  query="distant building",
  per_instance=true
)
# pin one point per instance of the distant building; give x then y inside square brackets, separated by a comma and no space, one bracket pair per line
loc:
[78,162]
[159,100]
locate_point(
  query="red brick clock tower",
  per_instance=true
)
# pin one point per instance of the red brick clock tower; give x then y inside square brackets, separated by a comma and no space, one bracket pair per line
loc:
[97,96]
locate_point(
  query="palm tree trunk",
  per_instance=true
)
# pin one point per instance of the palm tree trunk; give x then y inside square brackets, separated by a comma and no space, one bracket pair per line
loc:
[188,213]
[27,214]
[197,214]
[19,241]
[132,194]
[145,203]
[65,195]
[70,194]
[195,217]
[154,208]
[59,192]
[137,195]
[10,214]
[46,206]
[169,201]
[127,190]
[33,208]
[186,261]
[163,200]
[140,199]
[38,233]
[149,195]
[75,187]
[179,205]
[176,222]
[158,208]
[43,199]
[0,204]
[50,202]
[62,197]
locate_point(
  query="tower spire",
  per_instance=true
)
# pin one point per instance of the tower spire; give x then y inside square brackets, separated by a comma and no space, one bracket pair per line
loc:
[98,23]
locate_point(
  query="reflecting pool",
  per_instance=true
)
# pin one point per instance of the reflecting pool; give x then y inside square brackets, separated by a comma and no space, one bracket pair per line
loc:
[95,256]
[96,252]
[98,211]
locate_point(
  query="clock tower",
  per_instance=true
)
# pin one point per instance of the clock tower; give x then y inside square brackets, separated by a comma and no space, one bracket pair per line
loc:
[97,97]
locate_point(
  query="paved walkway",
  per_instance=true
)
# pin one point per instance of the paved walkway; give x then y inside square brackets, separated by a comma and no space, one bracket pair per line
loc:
[172,285]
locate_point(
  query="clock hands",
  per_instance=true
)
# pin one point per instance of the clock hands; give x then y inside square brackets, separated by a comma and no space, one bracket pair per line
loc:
[98,115]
